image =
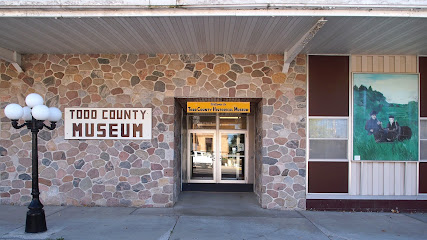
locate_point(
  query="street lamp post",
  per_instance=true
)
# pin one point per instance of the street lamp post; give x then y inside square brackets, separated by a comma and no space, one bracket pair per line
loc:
[34,115]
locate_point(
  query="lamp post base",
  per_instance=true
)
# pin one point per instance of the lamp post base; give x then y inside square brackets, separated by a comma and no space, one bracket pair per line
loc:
[36,221]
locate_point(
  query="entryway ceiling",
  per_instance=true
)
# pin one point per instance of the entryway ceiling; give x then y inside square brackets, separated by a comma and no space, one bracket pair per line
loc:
[213,34]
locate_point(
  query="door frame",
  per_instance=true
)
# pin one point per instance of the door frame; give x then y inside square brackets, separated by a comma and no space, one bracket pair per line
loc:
[217,153]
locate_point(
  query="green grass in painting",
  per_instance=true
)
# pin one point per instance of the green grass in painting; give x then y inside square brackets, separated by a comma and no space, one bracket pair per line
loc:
[364,145]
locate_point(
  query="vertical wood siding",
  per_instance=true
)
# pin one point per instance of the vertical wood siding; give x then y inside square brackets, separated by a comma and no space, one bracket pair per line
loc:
[383,178]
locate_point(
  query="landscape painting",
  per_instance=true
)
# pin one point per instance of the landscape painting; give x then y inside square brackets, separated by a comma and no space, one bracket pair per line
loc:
[385,117]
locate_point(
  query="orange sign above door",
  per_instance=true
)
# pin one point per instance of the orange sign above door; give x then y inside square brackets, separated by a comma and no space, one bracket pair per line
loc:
[218,107]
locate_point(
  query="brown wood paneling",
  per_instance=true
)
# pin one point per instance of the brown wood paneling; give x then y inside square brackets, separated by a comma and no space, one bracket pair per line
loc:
[327,177]
[328,85]
[423,177]
[423,86]
[367,205]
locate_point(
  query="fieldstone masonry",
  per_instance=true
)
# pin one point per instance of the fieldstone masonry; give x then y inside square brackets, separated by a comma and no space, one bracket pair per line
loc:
[146,173]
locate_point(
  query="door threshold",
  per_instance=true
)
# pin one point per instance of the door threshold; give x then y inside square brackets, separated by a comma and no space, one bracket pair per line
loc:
[218,187]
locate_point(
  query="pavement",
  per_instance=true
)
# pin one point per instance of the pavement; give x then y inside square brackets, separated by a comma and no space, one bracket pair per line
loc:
[202,215]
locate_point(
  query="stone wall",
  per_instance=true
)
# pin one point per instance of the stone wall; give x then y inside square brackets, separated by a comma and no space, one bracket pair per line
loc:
[258,151]
[145,173]
[177,151]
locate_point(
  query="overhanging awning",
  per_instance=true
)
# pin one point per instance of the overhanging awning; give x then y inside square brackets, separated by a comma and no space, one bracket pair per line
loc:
[197,26]
[213,34]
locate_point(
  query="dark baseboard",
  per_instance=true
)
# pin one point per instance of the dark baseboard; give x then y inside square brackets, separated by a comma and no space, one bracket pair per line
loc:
[217,187]
[367,205]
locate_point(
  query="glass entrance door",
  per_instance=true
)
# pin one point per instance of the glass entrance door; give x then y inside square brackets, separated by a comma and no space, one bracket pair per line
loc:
[232,151]
[202,156]
[217,151]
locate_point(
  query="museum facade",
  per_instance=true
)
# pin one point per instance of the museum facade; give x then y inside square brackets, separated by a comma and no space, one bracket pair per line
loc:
[138,128]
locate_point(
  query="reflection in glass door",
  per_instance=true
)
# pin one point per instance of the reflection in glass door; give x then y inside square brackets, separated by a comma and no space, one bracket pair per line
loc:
[202,156]
[232,157]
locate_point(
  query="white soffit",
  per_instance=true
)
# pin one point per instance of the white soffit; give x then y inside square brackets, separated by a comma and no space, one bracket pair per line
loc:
[153,34]
[213,34]
[358,35]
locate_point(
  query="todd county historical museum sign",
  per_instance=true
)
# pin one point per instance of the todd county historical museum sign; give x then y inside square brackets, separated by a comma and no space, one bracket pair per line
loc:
[108,123]
[218,107]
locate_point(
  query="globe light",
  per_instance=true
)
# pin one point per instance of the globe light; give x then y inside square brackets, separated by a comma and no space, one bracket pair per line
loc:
[40,112]
[54,114]
[13,111]
[27,114]
[33,99]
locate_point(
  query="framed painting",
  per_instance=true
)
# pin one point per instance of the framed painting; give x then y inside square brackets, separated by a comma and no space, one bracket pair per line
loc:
[385,116]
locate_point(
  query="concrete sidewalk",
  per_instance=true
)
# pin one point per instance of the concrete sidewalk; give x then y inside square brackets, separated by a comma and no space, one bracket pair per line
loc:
[211,216]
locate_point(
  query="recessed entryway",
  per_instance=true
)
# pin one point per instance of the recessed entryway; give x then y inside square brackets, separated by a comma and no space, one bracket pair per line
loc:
[218,149]
[242,204]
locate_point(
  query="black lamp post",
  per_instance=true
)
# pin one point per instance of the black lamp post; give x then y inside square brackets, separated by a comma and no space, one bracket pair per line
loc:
[34,115]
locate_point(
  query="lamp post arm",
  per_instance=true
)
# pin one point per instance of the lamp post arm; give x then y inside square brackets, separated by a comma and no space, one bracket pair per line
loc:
[52,125]
[16,126]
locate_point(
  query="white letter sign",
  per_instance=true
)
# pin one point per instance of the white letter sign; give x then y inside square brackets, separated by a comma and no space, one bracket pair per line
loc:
[108,123]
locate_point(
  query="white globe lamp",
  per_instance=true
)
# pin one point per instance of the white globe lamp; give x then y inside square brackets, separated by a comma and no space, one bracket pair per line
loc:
[13,111]
[54,114]
[40,112]
[27,114]
[33,99]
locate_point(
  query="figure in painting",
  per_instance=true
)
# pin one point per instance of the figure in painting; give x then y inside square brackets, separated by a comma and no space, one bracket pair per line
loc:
[393,132]
[393,129]
[374,127]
